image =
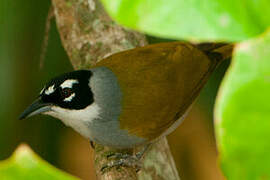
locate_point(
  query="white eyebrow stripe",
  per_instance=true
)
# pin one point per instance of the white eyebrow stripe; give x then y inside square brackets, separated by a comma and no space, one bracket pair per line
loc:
[50,90]
[68,99]
[68,83]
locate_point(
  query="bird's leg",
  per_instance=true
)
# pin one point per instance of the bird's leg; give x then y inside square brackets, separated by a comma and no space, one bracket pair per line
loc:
[140,154]
[126,160]
[92,144]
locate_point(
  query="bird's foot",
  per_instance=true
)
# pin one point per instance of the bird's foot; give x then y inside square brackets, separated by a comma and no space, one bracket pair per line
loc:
[122,160]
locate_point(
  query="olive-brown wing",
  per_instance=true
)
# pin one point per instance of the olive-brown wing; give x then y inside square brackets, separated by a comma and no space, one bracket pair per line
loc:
[159,83]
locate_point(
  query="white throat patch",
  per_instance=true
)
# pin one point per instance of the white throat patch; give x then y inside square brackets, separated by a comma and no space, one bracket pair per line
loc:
[68,83]
[79,120]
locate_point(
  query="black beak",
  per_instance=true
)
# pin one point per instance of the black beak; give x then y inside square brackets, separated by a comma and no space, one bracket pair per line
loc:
[37,107]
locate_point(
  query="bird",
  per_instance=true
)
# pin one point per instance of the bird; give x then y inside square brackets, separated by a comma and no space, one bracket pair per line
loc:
[133,97]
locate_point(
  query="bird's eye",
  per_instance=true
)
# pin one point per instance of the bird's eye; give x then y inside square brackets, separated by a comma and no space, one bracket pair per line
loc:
[66,92]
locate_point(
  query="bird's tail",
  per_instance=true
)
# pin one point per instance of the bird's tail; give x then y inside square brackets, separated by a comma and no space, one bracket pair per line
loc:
[217,51]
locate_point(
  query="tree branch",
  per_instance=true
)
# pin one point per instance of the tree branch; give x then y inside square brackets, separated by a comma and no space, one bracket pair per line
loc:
[89,35]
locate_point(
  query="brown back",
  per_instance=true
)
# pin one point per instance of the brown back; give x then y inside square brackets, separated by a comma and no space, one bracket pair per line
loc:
[159,82]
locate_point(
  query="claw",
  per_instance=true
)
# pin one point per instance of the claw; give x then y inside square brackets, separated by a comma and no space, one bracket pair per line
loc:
[122,160]
[125,160]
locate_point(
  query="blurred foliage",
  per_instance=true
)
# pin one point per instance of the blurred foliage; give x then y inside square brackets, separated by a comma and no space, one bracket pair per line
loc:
[24,164]
[222,20]
[243,112]
[22,26]
[21,33]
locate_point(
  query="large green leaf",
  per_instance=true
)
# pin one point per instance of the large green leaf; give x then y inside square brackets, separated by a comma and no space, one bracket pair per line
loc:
[242,113]
[26,165]
[230,20]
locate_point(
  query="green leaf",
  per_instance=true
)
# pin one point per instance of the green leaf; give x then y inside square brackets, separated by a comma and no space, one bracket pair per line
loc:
[24,164]
[229,20]
[242,114]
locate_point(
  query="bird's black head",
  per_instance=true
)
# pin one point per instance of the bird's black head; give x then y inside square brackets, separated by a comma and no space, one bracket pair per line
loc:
[68,91]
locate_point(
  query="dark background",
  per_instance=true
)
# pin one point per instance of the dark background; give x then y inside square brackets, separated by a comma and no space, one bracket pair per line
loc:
[22,25]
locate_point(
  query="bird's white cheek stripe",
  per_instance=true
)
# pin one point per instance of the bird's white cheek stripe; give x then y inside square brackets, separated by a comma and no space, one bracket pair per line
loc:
[68,99]
[68,83]
[50,90]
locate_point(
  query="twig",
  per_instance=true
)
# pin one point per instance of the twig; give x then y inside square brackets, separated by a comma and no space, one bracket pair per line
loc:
[46,37]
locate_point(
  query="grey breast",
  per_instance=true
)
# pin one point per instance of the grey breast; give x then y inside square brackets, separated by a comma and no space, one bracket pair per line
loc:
[107,95]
